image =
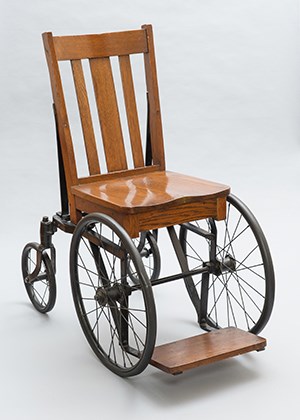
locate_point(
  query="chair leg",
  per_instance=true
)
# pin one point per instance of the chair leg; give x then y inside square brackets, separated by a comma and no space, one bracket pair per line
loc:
[75,215]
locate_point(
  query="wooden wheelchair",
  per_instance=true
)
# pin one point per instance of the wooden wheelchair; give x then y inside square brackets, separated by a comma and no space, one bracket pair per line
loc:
[115,213]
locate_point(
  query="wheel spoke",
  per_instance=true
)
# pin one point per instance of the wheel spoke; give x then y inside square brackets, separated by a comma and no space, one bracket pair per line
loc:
[135,338]
[132,328]
[239,277]
[40,296]
[87,284]
[134,316]
[233,239]
[97,263]
[44,295]
[32,262]
[238,303]
[113,330]
[97,316]
[250,268]
[193,250]
[86,270]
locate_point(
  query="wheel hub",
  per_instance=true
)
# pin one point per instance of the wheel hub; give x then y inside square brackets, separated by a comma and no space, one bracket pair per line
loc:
[227,264]
[114,293]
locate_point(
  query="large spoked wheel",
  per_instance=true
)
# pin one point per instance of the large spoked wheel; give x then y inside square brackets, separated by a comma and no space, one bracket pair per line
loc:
[118,318]
[148,249]
[39,277]
[239,290]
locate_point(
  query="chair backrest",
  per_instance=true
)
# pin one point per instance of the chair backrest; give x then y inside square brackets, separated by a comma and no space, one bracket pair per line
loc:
[97,50]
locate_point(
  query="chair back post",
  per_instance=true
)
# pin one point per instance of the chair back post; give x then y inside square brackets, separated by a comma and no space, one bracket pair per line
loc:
[155,123]
[61,118]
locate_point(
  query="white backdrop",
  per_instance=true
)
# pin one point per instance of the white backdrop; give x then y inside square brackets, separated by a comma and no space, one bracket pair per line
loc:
[229,84]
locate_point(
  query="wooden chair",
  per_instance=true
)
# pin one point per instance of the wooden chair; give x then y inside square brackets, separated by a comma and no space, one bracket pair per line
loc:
[133,202]
[141,198]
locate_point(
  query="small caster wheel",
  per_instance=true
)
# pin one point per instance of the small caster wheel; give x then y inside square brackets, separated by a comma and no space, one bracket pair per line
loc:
[39,277]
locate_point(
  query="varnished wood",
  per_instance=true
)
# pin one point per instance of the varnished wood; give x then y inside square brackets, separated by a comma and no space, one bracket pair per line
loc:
[117,174]
[221,208]
[156,132]
[151,219]
[204,349]
[100,45]
[60,106]
[130,222]
[142,198]
[62,120]
[178,213]
[131,111]
[156,199]
[108,114]
[85,117]
[154,190]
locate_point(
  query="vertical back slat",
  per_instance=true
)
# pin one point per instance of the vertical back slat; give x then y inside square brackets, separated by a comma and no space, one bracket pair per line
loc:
[108,112]
[156,133]
[131,111]
[85,117]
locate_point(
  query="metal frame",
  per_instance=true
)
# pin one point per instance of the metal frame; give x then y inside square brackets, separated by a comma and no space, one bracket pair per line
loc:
[148,154]
[64,213]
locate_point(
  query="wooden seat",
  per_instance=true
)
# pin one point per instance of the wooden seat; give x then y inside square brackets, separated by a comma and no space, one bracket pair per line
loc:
[143,197]
[152,200]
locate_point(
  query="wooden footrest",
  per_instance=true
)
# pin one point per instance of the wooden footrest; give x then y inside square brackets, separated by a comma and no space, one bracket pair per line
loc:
[205,348]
